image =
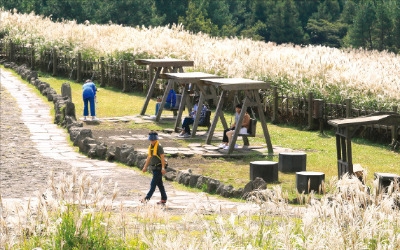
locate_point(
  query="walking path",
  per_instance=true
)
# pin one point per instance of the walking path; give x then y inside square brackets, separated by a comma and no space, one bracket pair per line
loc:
[32,145]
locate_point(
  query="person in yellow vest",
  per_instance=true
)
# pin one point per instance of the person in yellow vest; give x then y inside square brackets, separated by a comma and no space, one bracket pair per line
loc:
[156,159]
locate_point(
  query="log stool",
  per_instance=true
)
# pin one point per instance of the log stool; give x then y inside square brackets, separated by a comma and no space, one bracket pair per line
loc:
[385,179]
[268,170]
[292,161]
[304,177]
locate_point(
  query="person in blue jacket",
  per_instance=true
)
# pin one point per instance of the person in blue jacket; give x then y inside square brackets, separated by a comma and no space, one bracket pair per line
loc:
[169,103]
[89,97]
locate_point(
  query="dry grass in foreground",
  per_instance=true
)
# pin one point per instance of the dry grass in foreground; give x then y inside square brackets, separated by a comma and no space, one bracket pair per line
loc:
[73,214]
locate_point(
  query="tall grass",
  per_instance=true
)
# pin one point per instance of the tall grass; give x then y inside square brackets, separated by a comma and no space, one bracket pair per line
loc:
[73,214]
[370,78]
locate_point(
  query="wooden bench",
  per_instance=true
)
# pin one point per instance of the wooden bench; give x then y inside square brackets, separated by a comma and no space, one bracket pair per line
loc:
[175,108]
[251,132]
[207,120]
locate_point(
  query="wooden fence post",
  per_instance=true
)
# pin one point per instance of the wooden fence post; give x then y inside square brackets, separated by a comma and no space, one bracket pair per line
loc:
[33,58]
[54,61]
[102,73]
[348,107]
[11,55]
[274,118]
[394,127]
[78,68]
[125,76]
[310,110]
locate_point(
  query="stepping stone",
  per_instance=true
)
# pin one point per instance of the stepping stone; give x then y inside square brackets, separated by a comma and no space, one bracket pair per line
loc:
[210,147]
[188,154]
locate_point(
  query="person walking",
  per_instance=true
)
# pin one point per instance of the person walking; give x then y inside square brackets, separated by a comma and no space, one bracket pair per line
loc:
[156,159]
[89,97]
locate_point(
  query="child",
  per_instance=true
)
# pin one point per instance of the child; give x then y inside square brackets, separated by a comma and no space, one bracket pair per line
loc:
[156,159]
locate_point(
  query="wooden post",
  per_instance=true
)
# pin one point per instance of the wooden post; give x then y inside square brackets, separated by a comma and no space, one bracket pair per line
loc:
[274,118]
[11,52]
[125,76]
[348,108]
[54,62]
[310,110]
[78,68]
[33,61]
[394,127]
[102,73]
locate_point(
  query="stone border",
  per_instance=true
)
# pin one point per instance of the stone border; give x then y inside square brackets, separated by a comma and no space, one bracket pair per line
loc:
[82,138]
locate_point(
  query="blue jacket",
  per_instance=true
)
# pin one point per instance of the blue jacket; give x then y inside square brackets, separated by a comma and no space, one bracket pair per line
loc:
[171,98]
[89,90]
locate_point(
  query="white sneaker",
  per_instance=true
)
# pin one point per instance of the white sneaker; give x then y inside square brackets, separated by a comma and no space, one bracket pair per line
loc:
[236,146]
[226,147]
[222,145]
[84,118]
[184,135]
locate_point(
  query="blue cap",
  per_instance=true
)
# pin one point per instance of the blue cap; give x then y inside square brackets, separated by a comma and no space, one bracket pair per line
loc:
[153,136]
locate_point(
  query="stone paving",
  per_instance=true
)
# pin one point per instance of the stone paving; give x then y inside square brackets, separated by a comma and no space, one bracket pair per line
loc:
[203,149]
[32,146]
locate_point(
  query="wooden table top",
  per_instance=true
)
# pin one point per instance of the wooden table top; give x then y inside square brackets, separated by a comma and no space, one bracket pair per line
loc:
[365,120]
[188,76]
[170,62]
[237,83]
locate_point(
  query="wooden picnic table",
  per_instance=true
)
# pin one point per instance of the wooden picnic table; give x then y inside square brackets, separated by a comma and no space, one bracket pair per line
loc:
[162,66]
[184,79]
[346,129]
[252,98]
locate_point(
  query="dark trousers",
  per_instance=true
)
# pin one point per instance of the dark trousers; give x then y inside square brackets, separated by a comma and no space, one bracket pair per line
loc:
[157,182]
[225,138]
[186,123]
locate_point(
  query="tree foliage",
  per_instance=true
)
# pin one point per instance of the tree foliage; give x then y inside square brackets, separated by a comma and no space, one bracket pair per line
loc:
[371,24]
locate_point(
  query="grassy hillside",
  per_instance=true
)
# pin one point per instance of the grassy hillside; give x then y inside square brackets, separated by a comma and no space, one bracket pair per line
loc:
[370,78]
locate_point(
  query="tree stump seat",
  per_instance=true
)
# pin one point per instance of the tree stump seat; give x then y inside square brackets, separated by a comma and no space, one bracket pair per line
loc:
[385,179]
[307,181]
[292,162]
[268,170]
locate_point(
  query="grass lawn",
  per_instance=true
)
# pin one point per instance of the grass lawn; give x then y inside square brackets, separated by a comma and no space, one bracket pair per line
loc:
[320,149]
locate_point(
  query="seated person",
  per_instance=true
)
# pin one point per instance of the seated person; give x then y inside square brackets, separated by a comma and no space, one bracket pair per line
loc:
[228,133]
[190,119]
[169,103]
